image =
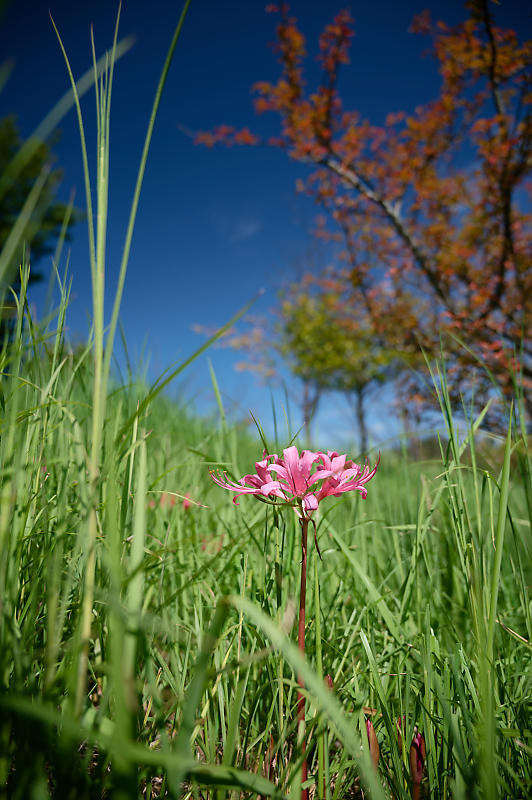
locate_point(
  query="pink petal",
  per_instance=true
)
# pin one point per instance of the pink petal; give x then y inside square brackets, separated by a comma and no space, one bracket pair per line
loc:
[338,462]
[325,460]
[298,469]
[308,458]
[320,475]
[225,484]
[291,460]
[310,502]
[273,487]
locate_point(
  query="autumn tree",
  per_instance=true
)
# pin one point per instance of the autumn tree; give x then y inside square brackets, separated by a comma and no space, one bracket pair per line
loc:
[332,347]
[325,343]
[431,205]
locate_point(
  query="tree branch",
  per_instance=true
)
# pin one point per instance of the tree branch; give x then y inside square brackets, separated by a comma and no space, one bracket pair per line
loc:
[391,212]
[494,83]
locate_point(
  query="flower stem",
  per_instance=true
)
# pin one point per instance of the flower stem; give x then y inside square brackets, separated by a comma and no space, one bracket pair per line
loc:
[301,645]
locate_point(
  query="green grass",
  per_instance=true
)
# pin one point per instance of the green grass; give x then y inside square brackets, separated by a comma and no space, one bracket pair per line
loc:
[148,649]
[191,680]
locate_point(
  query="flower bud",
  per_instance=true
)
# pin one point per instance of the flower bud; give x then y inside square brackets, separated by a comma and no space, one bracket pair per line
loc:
[374,749]
[417,756]
[400,724]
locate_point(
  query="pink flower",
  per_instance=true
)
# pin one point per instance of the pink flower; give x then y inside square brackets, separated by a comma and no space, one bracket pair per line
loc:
[301,481]
[346,476]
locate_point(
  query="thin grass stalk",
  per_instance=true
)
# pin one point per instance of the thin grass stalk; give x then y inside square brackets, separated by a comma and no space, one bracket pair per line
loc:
[16,234]
[84,156]
[97,250]
[195,691]
[56,259]
[135,591]
[8,460]
[301,645]
[54,116]
[488,679]
[499,539]
[98,414]
[323,789]
[103,97]
[322,696]
[389,722]
[136,194]
[97,261]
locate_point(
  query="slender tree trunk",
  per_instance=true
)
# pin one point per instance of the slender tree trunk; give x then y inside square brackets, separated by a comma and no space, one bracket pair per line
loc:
[301,645]
[361,418]
[306,409]
[311,398]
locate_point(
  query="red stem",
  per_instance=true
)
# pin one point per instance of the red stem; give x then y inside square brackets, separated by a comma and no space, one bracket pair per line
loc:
[301,645]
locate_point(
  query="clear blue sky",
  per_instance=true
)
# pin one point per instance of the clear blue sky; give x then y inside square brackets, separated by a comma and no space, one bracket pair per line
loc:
[215,225]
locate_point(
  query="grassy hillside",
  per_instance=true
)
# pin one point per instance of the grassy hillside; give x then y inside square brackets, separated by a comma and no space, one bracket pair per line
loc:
[148,624]
[399,608]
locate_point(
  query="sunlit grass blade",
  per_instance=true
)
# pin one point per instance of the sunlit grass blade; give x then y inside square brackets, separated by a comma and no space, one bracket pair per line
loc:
[488,680]
[54,117]
[374,595]
[318,692]
[137,190]
[16,234]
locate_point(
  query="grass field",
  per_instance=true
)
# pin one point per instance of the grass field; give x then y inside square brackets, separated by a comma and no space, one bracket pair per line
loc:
[184,674]
[148,645]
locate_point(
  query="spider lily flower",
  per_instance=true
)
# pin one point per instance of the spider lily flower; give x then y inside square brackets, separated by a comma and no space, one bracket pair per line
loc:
[301,481]
[259,483]
[346,476]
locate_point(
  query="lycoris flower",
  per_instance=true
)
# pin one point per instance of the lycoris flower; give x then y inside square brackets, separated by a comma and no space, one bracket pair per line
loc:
[301,481]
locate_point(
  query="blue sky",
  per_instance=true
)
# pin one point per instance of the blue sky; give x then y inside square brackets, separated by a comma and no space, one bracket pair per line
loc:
[214,225]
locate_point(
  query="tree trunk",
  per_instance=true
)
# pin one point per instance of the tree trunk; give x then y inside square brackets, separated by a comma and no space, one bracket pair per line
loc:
[311,398]
[361,419]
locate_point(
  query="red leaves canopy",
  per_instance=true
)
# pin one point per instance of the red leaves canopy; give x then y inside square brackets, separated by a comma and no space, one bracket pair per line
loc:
[428,203]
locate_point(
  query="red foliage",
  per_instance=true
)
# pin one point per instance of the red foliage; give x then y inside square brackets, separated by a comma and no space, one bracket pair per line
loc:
[435,246]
